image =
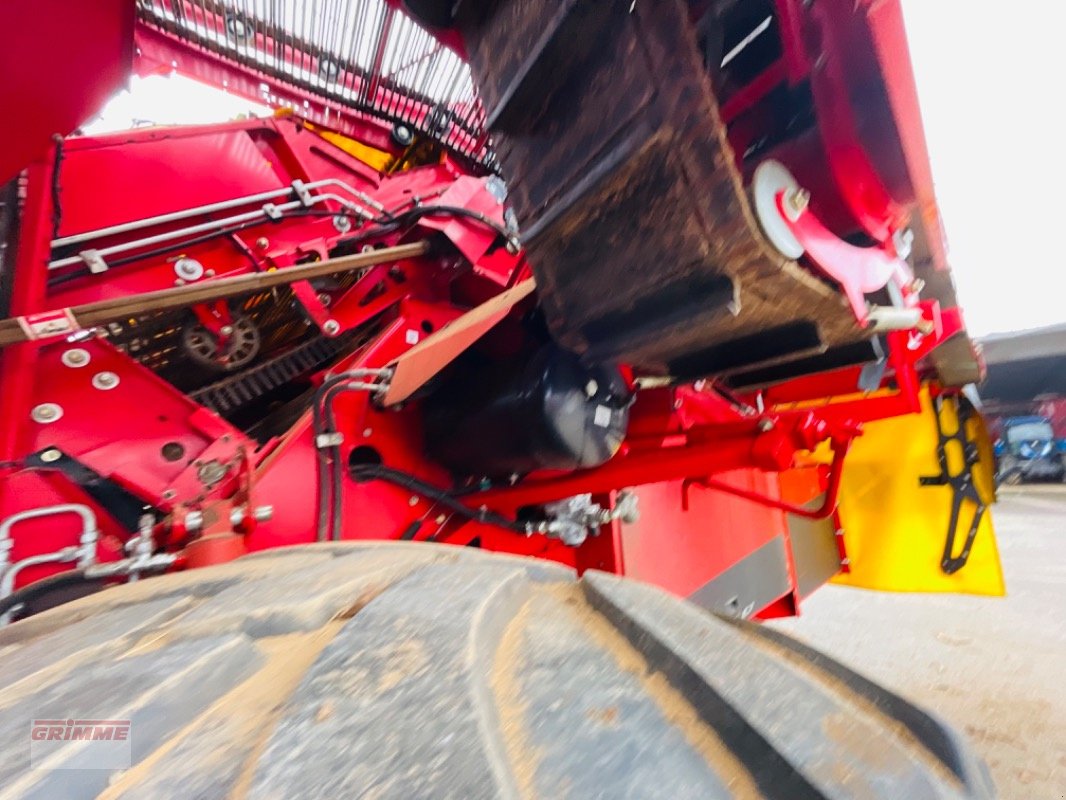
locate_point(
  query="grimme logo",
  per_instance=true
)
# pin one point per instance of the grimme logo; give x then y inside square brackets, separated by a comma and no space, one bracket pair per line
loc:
[80,744]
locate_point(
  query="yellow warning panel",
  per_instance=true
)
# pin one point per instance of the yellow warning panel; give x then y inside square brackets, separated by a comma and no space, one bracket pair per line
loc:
[380,160]
[902,481]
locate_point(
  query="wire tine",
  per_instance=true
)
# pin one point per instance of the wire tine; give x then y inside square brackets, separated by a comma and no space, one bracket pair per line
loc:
[331,49]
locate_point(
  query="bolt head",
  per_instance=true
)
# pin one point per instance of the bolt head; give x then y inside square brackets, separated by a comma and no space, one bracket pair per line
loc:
[798,200]
[226,330]
[76,357]
[51,455]
[412,500]
[188,269]
[262,243]
[46,412]
[331,327]
[105,380]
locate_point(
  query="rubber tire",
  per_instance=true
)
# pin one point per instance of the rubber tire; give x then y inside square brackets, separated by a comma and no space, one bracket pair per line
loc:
[413,670]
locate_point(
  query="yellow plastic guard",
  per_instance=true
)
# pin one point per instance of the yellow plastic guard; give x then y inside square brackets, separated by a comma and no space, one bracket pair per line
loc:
[895,527]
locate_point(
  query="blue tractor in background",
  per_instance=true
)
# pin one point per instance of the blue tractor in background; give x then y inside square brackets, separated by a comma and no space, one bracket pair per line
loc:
[1027,450]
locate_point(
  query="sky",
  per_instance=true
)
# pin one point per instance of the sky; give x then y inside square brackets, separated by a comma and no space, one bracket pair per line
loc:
[986,74]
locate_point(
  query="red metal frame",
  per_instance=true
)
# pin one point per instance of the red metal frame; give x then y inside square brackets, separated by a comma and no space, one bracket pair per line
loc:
[678,437]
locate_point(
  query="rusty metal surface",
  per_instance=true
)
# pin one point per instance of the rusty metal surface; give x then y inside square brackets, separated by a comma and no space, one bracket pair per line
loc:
[635,218]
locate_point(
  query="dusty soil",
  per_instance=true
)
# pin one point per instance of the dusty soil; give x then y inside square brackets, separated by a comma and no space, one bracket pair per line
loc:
[995,668]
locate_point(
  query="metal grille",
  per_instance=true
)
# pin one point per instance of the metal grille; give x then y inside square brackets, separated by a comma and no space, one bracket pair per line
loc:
[363,54]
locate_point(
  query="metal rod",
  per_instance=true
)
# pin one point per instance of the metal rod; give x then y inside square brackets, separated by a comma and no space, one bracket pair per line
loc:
[236,219]
[223,205]
[90,314]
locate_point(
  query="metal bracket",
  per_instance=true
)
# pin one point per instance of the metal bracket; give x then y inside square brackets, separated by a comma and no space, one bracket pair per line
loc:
[93,260]
[299,188]
[963,484]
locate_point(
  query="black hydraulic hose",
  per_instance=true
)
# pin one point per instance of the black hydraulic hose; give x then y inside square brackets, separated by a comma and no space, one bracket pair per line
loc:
[366,472]
[453,211]
[45,586]
[328,460]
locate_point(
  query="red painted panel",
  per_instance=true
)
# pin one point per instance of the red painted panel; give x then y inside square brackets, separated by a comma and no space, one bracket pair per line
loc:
[157,174]
[59,61]
[682,550]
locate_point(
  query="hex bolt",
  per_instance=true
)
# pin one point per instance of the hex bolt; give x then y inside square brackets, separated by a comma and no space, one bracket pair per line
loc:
[51,455]
[766,425]
[262,243]
[331,327]
[798,200]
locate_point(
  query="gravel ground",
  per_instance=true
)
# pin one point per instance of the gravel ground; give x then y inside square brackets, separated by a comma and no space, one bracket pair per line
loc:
[993,667]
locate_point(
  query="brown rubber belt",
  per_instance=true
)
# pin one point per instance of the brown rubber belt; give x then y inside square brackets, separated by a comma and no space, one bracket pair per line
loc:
[642,240]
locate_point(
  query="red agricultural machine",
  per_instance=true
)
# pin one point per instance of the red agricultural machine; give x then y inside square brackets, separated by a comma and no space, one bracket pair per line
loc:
[649,288]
